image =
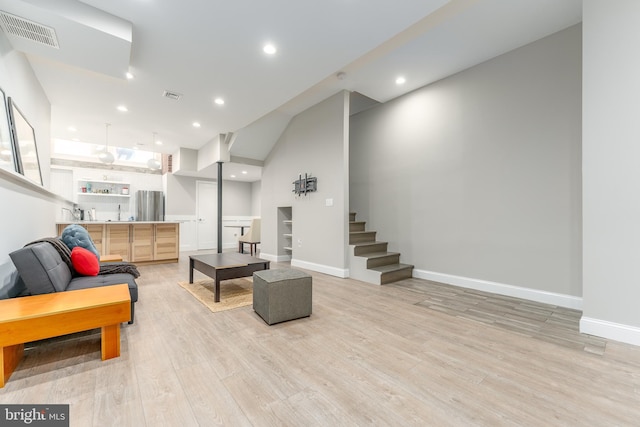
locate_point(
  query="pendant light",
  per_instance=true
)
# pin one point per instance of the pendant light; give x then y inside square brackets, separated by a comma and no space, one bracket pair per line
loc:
[152,163]
[105,156]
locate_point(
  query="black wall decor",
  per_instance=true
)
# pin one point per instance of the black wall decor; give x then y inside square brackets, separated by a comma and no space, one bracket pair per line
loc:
[305,185]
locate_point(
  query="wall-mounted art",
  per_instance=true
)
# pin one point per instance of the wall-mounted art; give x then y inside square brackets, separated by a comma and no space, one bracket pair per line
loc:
[304,185]
[7,152]
[24,138]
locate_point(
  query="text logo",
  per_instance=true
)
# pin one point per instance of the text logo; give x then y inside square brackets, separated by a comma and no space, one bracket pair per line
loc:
[34,415]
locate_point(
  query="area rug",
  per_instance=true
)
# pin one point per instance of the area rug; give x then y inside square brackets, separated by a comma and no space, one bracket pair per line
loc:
[233,293]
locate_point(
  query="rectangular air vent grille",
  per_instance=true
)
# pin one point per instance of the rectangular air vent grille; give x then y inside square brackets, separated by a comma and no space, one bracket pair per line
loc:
[23,28]
[172,95]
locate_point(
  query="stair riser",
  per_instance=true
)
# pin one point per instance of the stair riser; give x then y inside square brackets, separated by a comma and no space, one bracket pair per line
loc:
[394,276]
[386,260]
[363,250]
[352,216]
[362,237]
[356,226]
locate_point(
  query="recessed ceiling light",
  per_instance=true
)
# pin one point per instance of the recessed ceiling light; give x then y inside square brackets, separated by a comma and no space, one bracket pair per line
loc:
[196,124]
[158,142]
[401,80]
[123,108]
[72,129]
[219,101]
[232,176]
[244,172]
[129,76]
[269,49]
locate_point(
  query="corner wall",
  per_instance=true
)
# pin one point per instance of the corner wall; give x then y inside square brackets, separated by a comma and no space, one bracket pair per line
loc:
[314,142]
[611,170]
[475,179]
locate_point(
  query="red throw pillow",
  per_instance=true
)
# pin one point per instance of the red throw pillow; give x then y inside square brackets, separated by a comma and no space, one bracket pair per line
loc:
[84,261]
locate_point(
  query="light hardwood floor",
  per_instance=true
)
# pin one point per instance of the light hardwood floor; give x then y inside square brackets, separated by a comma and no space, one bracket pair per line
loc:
[410,353]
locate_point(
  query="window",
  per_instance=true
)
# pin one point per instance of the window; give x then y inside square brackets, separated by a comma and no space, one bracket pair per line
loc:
[86,152]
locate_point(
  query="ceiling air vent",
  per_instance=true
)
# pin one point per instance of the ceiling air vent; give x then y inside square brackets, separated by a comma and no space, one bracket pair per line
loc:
[23,28]
[172,95]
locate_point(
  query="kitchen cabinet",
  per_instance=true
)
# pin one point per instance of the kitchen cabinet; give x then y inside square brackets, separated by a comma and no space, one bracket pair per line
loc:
[96,232]
[167,241]
[142,242]
[137,242]
[118,241]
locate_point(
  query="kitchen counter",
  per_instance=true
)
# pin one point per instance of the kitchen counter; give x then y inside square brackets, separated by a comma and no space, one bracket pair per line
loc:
[135,241]
[116,222]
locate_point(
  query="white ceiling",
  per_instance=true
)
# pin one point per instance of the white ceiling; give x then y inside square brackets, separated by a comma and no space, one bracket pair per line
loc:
[205,49]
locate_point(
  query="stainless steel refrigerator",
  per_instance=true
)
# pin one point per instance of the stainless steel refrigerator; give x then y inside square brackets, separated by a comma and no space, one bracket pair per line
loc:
[150,205]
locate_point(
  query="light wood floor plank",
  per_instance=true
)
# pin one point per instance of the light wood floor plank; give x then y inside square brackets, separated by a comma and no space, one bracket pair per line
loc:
[410,353]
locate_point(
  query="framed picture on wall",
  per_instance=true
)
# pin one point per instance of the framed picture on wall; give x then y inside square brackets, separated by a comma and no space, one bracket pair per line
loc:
[7,152]
[24,138]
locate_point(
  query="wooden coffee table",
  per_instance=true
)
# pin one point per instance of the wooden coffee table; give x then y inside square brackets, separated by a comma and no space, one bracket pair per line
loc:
[225,266]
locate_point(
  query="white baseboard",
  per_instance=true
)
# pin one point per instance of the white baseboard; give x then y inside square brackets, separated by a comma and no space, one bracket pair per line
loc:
[332,271]
[610,330]
[274,258]
[553,298]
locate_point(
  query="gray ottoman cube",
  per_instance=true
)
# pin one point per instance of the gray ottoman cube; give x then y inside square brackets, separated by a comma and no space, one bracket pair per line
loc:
[281,294]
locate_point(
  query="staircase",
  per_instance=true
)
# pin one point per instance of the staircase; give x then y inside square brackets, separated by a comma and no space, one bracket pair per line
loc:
[369,259]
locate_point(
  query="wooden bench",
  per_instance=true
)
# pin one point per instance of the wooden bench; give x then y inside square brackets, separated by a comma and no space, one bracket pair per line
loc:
[38,317]
[111,258]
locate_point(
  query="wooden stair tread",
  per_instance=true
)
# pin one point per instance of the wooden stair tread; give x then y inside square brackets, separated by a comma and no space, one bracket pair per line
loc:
[378,254]
[372,243]
[392,267]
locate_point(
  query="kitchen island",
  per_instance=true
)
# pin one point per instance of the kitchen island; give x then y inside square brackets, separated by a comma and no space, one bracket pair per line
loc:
[141,242]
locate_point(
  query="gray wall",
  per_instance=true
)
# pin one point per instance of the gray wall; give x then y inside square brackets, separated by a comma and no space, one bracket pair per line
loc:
[478,175]
[181,196]
[256,200]
[611,171]
[314,142]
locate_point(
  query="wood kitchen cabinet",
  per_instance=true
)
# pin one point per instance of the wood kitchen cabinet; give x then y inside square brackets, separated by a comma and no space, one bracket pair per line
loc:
[142,242]
[137,242]
[167,241]
[118,241]
[96,232]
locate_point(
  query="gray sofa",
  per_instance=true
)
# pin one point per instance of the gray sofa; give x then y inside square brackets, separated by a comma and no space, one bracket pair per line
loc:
[43,271]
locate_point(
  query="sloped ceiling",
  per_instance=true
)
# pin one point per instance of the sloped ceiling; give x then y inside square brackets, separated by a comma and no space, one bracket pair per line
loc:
[204,49]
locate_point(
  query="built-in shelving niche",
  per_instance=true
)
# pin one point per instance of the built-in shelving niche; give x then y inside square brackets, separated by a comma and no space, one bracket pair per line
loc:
[285,233]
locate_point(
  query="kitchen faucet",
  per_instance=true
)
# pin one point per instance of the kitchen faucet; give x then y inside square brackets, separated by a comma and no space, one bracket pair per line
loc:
[75,215]
[118,212]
